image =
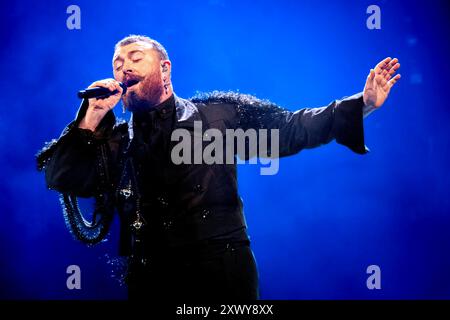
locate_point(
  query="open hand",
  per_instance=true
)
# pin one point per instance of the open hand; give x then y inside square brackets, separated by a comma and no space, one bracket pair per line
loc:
[380,81]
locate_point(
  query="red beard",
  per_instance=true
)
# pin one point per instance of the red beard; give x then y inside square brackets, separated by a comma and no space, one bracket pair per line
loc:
[144,95]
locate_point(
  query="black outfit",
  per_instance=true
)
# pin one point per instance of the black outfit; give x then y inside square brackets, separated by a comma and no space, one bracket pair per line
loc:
[183,225]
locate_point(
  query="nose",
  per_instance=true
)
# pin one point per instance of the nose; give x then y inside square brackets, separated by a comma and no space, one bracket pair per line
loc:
[126,68]
[127,71]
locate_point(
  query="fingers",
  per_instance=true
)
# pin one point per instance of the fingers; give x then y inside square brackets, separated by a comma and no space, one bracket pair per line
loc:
[118,88]
[371,74]
[384,84]
[389,73]
[391,63]
[382,65]
[393,66]
[370,77]
[110,84]
[387,68]
[393,81]
[387,64]
[106,102]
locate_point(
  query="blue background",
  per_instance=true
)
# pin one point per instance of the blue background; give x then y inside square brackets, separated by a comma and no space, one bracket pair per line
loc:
[327,214]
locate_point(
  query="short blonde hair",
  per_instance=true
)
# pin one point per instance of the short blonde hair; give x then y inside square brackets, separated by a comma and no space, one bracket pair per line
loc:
[132,38]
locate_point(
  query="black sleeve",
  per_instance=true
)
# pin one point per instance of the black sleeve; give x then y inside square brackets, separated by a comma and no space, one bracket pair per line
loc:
[341,120]
[78,161]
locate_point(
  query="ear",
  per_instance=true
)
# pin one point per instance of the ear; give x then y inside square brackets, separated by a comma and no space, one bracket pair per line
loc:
[166,67]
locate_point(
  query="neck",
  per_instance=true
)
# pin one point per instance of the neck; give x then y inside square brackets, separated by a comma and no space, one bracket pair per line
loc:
[164,96]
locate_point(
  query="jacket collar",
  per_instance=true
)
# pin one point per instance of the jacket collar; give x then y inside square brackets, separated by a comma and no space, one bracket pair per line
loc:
[186,113]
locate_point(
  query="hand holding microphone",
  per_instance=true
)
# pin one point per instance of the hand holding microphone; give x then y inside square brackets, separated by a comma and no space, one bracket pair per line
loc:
[104,96]
[99,92]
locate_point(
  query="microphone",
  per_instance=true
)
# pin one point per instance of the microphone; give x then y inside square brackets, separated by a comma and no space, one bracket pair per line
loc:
[100,92]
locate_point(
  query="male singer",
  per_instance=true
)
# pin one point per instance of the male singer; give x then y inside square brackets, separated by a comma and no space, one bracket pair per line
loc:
[182,225]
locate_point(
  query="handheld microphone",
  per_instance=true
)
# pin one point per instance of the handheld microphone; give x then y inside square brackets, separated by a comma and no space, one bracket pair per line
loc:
[100,92]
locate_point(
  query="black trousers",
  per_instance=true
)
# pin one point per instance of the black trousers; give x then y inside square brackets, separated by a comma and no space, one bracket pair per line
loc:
[215,272]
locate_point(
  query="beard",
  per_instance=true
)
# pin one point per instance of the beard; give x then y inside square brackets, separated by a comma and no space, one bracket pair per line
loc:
[146,96]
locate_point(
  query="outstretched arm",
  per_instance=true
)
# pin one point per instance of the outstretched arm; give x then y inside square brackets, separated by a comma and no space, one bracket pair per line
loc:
[341,120]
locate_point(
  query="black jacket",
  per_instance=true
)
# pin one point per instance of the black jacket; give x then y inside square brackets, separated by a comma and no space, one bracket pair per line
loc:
[191,202]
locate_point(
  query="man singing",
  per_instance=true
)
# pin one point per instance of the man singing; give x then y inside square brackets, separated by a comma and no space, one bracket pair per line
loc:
[182,225]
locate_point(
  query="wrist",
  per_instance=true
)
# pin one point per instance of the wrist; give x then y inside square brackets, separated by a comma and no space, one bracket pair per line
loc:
[86,125]
[368,109]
